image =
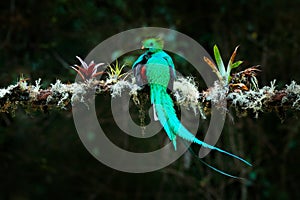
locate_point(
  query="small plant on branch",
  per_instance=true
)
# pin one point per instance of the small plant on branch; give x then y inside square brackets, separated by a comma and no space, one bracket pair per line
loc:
[219,70]
[86,71]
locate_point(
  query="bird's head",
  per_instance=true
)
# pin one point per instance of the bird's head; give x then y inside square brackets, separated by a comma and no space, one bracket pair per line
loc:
[153,44]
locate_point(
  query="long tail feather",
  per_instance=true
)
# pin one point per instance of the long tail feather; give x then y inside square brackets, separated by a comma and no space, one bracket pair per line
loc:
[185,134]
[208,165]
[164,121]
[167,116]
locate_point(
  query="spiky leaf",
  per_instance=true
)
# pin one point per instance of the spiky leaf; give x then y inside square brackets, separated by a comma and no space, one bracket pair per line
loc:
[213,67]
[233,55]
[236,64]
[219,61]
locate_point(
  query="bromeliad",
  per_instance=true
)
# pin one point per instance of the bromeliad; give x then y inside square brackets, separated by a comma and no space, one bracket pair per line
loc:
[156,68]
[85,71]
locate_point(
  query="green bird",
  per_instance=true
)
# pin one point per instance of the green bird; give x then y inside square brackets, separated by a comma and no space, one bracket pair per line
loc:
[156,68]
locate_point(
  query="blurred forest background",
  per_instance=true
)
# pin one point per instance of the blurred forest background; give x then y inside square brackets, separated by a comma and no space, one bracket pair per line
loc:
[41,155]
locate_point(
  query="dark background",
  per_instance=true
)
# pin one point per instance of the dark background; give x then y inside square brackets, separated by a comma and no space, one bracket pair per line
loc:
[41,155]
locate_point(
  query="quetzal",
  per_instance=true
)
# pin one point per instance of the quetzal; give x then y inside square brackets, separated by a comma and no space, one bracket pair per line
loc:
[156,68]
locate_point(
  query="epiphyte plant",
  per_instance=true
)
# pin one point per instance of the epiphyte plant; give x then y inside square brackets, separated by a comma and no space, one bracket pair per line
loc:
[86,71]
[222,73]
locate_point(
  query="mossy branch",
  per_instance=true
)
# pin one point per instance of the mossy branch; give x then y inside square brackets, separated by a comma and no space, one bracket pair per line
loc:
[239,91]
[62,96]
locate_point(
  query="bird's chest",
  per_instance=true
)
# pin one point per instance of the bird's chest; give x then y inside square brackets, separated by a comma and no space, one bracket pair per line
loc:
[157,74]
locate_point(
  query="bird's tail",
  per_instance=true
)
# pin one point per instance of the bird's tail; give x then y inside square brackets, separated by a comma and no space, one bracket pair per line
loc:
[167,116]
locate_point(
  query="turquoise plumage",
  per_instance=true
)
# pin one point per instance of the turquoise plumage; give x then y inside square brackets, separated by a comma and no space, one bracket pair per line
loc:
[156,68]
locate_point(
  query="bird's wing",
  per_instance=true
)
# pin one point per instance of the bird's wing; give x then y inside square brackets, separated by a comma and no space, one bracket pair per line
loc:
[142,59]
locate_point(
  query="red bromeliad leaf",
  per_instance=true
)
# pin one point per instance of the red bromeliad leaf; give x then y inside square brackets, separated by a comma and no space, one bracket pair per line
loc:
[87,71]
[233,56]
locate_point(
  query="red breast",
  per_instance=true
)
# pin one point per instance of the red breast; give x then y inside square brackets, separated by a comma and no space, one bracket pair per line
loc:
[143,73]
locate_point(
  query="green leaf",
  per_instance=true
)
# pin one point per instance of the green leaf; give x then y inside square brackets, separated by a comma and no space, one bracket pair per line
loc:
[236,64]
[219,61]
[229,78]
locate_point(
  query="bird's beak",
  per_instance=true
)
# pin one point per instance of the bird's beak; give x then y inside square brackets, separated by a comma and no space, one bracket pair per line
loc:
[143,47]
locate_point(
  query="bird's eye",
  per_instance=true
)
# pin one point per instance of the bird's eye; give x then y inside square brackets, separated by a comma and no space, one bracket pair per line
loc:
[151,44]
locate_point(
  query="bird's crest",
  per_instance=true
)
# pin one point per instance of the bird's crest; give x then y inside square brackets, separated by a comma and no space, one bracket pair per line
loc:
[155,43]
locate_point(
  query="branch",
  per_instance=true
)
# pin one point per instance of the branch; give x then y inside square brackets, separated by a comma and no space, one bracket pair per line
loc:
[239,90]
[58,96]
[62,96]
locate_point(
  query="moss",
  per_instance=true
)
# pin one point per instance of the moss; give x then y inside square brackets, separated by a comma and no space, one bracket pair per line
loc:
[217,93]
[253,100]
[293,92]
[8,90]
[187,94]
[121,85]
[34,90]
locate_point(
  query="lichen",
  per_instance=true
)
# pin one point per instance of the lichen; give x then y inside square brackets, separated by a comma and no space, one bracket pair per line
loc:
[252,100]
[23,85]
[78,93]
[58,87]
[34,91]
[116,89]
[61,103]
[60,93]
[186,93]
[8,90]
[293,91]
[217,93]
